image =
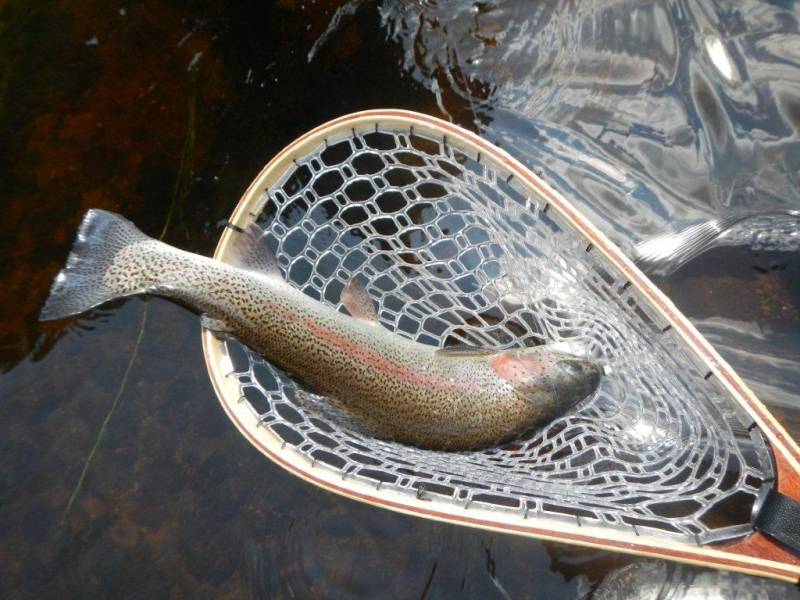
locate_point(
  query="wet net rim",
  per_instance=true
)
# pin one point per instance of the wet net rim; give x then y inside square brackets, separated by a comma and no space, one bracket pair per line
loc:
[219,363]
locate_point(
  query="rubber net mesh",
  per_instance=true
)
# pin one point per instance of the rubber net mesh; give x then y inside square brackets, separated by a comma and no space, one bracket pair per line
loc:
[453,252]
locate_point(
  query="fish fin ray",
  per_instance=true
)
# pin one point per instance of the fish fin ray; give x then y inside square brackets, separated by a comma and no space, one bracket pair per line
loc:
[357,301]
[82,284]
[251,250]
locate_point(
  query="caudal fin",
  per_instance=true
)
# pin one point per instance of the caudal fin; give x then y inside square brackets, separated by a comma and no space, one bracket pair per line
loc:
[81,284]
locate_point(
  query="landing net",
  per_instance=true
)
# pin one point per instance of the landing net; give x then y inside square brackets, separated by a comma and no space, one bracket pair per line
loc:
[452,251]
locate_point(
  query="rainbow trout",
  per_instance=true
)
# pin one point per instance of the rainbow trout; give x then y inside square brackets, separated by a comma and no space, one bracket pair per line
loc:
[400,389]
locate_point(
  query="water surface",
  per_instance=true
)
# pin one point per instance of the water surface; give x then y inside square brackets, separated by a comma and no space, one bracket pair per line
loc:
[651,117]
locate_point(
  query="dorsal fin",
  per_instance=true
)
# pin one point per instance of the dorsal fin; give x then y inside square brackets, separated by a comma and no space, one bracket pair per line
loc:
[357,301]
[465,350]
[250,250]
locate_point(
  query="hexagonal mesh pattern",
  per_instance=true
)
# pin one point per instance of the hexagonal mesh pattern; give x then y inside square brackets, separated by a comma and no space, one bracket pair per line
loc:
[452,252]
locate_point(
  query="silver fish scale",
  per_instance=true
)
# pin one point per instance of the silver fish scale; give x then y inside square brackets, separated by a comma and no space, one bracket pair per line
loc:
[453,253]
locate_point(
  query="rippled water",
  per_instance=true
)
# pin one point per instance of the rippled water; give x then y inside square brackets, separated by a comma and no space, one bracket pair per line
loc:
[675,125]
[654,118]
[654,115]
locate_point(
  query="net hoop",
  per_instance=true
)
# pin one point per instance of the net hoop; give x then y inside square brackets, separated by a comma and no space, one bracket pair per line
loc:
[754,555]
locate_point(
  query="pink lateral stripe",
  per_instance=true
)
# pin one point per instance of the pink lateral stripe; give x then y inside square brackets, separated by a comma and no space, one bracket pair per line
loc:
[383,364]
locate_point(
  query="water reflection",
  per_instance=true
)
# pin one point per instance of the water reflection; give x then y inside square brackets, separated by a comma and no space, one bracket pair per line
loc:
[654,580]
[654,117]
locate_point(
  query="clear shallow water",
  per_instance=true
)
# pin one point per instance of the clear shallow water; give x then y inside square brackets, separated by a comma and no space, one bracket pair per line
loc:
[166,112]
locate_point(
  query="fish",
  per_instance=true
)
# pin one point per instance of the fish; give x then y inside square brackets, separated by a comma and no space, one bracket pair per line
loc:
[774,230]
[402,390]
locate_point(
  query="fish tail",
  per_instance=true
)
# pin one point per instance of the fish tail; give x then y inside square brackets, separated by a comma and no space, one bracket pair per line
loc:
[83,283]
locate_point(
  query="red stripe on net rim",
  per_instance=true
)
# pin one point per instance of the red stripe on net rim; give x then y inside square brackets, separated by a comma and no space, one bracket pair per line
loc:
[747,552]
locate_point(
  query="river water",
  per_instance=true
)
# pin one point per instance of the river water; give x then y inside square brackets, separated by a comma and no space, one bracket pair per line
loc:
[675,126]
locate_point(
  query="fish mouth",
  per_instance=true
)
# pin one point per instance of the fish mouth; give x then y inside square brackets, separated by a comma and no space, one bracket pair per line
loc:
[573,380]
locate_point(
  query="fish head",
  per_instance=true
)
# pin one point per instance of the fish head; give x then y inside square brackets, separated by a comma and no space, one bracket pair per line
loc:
[556,380]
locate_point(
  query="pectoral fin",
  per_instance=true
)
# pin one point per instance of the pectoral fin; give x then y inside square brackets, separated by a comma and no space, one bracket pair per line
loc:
[250,250]
[357,301]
